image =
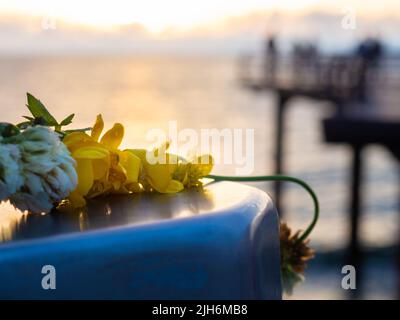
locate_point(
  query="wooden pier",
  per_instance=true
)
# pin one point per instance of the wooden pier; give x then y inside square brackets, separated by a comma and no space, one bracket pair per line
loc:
[360,119]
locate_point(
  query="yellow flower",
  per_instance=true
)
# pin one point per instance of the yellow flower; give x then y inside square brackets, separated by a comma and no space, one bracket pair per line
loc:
[158,167]
[171,174]
[101,167]
[190,173]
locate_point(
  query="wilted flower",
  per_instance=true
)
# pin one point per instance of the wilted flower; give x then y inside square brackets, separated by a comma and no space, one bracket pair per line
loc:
[47,169]
[10,172]
[294,257]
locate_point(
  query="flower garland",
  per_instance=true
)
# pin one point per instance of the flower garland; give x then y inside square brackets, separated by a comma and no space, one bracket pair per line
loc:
[42,168]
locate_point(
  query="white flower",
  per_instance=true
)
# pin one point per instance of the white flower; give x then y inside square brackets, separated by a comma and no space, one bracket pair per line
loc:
[48,170]
[10,172]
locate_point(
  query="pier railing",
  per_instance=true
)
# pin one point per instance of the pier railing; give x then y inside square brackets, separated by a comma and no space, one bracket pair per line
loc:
[357,88]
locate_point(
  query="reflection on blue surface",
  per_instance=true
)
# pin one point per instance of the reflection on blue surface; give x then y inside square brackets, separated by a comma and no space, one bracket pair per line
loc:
[212,244]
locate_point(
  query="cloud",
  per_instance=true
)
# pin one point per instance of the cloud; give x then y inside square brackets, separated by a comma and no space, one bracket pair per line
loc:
[35,35]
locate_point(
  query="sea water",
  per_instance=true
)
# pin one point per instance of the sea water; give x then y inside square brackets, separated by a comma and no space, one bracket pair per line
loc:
[202,93]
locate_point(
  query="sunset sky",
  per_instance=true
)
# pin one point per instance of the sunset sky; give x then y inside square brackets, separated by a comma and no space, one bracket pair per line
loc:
[154,15]
[157,15]
[21,20]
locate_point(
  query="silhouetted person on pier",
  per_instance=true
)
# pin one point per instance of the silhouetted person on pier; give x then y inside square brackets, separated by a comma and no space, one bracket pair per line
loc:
[270,60]
[368,52]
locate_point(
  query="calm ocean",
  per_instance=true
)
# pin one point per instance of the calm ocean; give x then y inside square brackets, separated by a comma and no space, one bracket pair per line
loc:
[204,92]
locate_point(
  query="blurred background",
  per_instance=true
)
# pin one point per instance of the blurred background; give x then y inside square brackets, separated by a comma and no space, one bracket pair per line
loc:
[224,64]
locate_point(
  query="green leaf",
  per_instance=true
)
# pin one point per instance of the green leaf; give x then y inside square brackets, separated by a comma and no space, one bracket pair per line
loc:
[28,118]
[67,120]
[23,125]
[38,110]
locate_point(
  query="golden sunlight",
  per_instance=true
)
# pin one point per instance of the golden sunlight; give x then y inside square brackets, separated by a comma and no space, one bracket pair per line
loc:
[157,16]
[154,15]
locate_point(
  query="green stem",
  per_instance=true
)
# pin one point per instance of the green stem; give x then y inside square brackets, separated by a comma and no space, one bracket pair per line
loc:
[311,226]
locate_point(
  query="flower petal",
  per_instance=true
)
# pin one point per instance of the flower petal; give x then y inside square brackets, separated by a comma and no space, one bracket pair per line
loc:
[158,175]
[204,164]
[100,169]
[131,163]
[162,148]
[174,187]
[113,137]
[76,140]
[84,169]
[140,153]
[97,128]
[90,153]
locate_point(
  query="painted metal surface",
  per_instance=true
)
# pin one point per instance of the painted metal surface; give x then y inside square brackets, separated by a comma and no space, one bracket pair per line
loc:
[220,243]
